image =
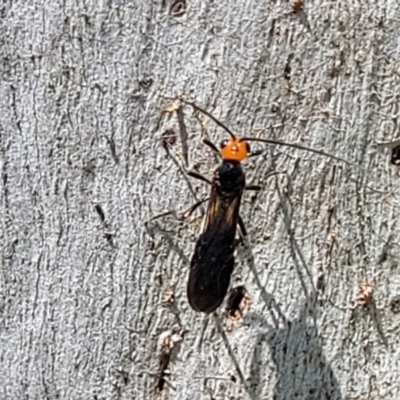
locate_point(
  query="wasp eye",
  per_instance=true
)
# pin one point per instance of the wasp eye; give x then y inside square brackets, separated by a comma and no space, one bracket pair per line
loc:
[224,143]
[247,148]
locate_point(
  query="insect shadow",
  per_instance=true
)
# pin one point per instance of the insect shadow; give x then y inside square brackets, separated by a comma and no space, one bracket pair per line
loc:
[302,370]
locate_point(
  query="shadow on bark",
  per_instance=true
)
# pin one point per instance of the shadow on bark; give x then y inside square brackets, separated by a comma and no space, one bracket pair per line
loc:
[302,370]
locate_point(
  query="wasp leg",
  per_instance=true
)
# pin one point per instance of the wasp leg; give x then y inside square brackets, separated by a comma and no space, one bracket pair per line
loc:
[189,212]
[180,217]
[196,175]
[241,231]
[183,134]
[256,188]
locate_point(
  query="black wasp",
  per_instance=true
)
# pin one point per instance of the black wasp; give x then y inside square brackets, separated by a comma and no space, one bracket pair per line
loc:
[212,263]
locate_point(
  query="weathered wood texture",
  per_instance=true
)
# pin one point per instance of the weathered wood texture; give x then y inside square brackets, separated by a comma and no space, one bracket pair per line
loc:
[82,310]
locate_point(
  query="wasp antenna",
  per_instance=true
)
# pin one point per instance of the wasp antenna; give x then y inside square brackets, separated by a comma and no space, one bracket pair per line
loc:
[219,123]
[297,146]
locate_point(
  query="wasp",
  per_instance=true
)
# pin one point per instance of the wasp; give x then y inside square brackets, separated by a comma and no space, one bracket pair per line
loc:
[213,260]
[212,263]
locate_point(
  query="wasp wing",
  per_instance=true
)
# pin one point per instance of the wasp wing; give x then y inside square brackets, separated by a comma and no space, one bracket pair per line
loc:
[212,263]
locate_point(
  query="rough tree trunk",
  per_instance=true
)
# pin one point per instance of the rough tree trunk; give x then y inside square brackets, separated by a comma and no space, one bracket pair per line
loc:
[84,285]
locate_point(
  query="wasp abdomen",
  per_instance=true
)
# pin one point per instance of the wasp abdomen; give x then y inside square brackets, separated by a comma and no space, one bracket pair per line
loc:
[209,278]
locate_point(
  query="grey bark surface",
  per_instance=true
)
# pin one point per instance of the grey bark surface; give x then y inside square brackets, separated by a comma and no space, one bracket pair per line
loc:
[84,285]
